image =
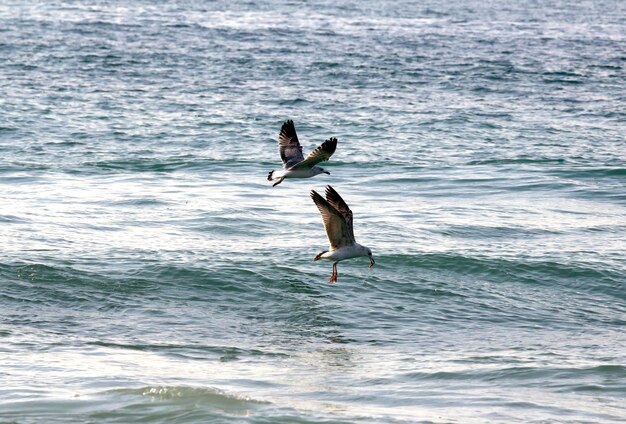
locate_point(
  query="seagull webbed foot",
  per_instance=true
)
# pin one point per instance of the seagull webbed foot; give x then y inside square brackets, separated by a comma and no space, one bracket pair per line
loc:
[333,278]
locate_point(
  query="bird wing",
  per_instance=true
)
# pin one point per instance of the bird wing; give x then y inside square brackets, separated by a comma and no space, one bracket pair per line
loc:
[289,146]
[337,218]
[321,154]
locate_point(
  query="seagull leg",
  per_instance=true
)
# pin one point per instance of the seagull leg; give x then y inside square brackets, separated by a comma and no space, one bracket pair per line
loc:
[333,278]
[279,181]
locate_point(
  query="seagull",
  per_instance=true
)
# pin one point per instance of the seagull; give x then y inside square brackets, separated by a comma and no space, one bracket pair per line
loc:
[337,218]
[294,164]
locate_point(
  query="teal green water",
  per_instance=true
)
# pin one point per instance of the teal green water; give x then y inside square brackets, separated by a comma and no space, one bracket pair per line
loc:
[150,273]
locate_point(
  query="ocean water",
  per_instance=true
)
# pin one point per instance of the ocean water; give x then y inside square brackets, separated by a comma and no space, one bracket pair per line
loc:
[150,273]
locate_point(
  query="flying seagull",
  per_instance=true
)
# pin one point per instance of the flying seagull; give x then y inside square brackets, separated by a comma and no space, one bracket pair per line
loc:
[294,164]
[337,218]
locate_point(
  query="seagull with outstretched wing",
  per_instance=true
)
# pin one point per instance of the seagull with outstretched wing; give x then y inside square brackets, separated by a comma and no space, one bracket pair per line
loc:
[294,164]
[337,218]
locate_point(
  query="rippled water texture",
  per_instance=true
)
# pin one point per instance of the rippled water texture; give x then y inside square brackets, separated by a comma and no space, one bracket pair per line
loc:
[150,273]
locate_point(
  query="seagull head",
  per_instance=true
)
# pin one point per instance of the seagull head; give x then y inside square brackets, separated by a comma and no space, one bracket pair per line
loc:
[316,170]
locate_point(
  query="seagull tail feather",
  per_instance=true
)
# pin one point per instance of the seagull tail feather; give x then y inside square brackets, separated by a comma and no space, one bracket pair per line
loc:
[319,255]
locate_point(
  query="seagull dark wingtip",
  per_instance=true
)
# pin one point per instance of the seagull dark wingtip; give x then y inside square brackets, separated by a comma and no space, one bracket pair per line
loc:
[317,199]
[331,192]
[330,145]
[288,130]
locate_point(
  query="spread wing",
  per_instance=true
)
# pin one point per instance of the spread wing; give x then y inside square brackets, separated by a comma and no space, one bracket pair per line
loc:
[289,146]
[337,218]
[321,154]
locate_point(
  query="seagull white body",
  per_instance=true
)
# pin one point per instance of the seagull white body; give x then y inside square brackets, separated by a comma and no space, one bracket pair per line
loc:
[297,173]
[346,252]
[337,218]
[294,164]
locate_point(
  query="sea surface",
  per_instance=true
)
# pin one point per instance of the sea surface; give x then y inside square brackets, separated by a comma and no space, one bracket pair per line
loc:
[150,273]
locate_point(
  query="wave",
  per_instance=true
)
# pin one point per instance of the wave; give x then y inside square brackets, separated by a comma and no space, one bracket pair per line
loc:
[490,232]
[152,164]
[162,404]
[13,219]
[518,161]
[592,172]
[181,404]
[210,395]
[190,351]
[583,276]
[76,280]
[172,164]
[563,168]
[600,378]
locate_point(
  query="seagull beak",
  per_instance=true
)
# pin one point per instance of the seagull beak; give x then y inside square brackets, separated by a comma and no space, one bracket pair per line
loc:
[372,263]
[326,172]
